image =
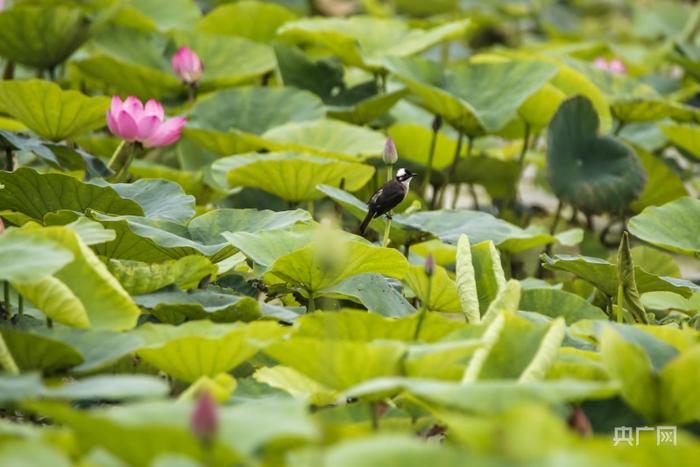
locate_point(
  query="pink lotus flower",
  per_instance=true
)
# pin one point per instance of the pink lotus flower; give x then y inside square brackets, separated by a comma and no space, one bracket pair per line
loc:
[132,121]
[205,418]
[613,66]
[187,65]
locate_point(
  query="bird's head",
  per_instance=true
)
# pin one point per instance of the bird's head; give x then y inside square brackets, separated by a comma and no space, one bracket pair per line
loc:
[404,175]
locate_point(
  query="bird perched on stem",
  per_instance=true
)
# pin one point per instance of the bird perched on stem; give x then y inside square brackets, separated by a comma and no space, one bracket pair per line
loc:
[388,197]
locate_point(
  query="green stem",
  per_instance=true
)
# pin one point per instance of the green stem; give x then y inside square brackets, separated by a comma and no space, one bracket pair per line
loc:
[6,290]
[620,300]
[475,197]
[619,127]
[9,160]
[452,170]
[310,208]
[470,147]
[373,415]
[311,307]
[20,306]
[9,72]
[429,171]
[526,143]
[387,227]
[121,161]
[423,310]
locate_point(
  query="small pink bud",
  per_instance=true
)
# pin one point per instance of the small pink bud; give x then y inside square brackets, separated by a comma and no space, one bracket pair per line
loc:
[429,265]
[616,66]
[600,63]
[187,65]
[205,418]
[132,121]
[390,153]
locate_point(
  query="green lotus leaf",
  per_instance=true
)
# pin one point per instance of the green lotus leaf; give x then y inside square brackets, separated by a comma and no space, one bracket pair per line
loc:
[34,351]
[42,37]
[338,364]
[215,127]
[440,360]
[41,257]
[603,275]
[591,172]
[32,452]
[476,98]
[329,138]
[663,184]
[364,41]
[139,277]
[360,105]
[685,136]
[51,112]
[374,292]
[75,195]
[291,176]
[153,241]
[83,293]
[671,226]
[168,14]
[296,384]
[436,293]
[499,177]
[177,306]
[208,227]
[160,199]
[133,79]
[318,267]
[413,144]
[360,326]
[554,303]
[253,20]
[487,397]
[265,247]
[202,348]
[536,112]
[91,232]
[127,433]
[680,403]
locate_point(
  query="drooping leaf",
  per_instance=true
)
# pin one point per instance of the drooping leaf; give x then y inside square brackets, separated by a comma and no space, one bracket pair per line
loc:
[40,257]
[51,112]
[29,192]
[374,292]
[160,199]
[627,294]
[364,41]
[559,303]
[83,293]
[671,226]
[466,281]
[591,172]
[546,353]
[202,348]
[139,277]
[488,273]
[476,98]
[42,37]
[663,184]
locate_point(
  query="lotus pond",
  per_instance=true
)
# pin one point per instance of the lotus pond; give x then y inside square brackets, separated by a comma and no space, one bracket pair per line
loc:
[183,278]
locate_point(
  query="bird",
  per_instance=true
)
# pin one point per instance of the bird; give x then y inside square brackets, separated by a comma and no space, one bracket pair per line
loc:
[387,197]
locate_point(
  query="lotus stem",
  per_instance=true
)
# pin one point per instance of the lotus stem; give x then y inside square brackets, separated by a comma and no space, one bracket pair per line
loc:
[311,306]
[191,92]
[373,415]
[526,144]
[20,306]
[310,208]
[9,72]
[557,216]
[423,309]
[9,160]
[620,301]
[619,127]
[475,197]
[431,155]
[121,161]
[387,227]
[470,147]
[453,168]
[6,290]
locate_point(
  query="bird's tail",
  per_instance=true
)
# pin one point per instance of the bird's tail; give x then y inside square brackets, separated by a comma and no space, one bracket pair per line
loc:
[365,223]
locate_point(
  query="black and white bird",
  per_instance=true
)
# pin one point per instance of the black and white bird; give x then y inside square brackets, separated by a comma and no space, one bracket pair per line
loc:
[387,197]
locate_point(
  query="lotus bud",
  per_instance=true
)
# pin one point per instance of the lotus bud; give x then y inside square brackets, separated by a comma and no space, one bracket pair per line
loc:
[578,421]
[437,123]
[616,66]
[187,65]
[205,419]
[390,153]
[430,265]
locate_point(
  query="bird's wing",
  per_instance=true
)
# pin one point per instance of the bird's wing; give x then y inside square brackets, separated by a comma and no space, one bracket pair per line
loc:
[389,200]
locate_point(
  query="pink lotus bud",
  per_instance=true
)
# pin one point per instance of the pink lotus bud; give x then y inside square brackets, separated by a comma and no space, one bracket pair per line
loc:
[600,63]
[2,5]
[430,265]
[187,65]
[205,418]
[616,66]
[390,153]
[132,121]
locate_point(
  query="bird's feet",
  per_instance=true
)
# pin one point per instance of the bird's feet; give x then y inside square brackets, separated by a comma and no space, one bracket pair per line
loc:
[388,216]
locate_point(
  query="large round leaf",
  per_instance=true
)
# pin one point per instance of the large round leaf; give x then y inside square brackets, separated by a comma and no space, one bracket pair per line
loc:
[291,176]
[42,37]
[253,20]
[214,126]
[592,172]
[51,112]
[673,226]
[329,138]
[476,98]
[39,257]
[365,41]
